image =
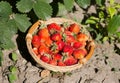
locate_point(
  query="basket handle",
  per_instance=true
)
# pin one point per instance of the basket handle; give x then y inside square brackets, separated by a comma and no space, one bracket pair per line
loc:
[34,27]
[91,45]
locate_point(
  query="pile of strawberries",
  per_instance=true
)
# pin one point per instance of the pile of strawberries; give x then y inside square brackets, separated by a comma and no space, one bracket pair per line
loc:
[59,45]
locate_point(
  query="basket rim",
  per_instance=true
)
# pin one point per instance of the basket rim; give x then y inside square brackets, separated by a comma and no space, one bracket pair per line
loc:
[46,65]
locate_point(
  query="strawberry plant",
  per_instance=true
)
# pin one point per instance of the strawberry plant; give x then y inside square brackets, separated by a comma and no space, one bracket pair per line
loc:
[10,23]
[12,77]
[106,22]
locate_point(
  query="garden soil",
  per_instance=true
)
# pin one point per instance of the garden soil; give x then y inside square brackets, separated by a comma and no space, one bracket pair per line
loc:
[103,67]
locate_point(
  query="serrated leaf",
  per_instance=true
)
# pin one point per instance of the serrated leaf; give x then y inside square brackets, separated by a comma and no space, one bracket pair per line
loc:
[42,9]
[1,57]
[5,37]
[22,22]
[69,4]
[12,26]
[25,5]
[5,9]
[7,43]
[12,77]
[114,24]
[83,3]
[14,56]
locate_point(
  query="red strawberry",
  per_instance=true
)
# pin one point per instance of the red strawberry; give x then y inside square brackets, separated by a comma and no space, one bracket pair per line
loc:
[60,63]
[79,44]
[70,39]
[70,60]
[45,58]
[48,42]
[79,53]
[39,56]
[82,37]
[60,45]
[56,37]
[54,26]
[43,34]
[53,62]
[57,57]
[68,49]
[43,49]
[36,41]
[68,32]
[74,28]
[35,50]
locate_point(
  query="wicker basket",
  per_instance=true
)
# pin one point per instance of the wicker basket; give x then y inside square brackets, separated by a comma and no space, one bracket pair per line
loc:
[35,26]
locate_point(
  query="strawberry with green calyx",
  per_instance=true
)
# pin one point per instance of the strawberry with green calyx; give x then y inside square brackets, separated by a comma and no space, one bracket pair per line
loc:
[54,27]
[70,39]
[78,44]
[57,46]
[54,48]
[60,45]
[56,37]
[68,32]
[45,58]
[68,49]
[57,57]
[75,28]
[70,60]
[82,37]
[79,53]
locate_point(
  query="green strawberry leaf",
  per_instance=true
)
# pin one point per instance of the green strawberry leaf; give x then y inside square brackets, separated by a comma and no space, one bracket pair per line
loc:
[24,5]
[6,35]
[12,26]
[69,4]
[12,77]
[5,9]
[83,3]
[42,9]
[90,21]
[22,22]
[114,24]
[14,56]
[13,69]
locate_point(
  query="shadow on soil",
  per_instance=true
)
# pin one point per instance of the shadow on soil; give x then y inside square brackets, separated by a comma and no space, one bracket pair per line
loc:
[22,47]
